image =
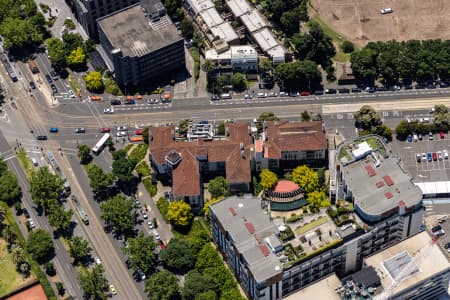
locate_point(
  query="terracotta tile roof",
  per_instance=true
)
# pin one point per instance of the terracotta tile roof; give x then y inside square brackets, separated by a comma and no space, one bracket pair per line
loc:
[258,146]
[186,176]
[239,132]
[294,136]
[237,168]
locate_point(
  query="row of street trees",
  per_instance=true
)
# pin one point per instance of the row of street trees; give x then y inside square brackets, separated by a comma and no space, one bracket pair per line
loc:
[407,61]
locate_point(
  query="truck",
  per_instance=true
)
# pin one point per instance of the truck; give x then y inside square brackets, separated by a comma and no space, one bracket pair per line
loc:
[33,66]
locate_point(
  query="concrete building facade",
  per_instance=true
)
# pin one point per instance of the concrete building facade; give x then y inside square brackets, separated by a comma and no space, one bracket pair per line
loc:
[142,43]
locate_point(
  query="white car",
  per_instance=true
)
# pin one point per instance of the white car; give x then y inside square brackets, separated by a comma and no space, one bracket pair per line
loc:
[424,156]
[108,110]
[445,152]
[387,10]
[150,224]
[97,260]
[439,153]
[31,222]
[121,133]
[122,128]
[71,94]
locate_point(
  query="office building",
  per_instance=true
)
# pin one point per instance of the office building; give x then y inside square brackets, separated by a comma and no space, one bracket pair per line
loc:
[141,42]
[88,11]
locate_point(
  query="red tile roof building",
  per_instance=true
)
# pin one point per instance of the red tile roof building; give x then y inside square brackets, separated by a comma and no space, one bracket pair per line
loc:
[234,156]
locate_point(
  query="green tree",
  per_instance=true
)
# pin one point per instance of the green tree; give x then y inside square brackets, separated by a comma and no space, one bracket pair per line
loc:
[187,28]
[265,64]
[208,295]
[301,74]
[402,130]
[178,256]
[290,22]
[162,285]
[18,33]
[140,253]
[45,187]
[93,283]
[238,81]
[364,65]
[318,199]
[180,214]
[367,118]
[305,116]
[9,188]
[79,250]
[208,66]
[218,187]
[57,52]
[265,116]
[60,288]
[76,58]
[84,154]
[118,212]
[99,180]
[59,218]
[207,205]
[94,81]
[306,178]
[3,166]
[49,269]
[183,126]
[18,255]
[347,47]
[122,168]
[268,179]
[40,245]
[72,41]
[221,129]
[195,283]
[440,109]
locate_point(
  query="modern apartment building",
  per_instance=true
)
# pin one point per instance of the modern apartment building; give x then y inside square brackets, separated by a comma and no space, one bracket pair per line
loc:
[243,59]
[88,11]
[141,42]
[388,212]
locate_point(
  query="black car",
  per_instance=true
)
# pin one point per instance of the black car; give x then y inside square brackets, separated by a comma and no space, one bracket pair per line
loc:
[330,91]
[408,87]
[381,89]
[41,137]
[447,246]
[116,102]
[129,102]
[436,228]
[319,92]
[370,89]
[344,91]
[215,98]
[54,75]
[49,78]
[26,213]
[32,85]
[54,89]
[80,130]
[356,90]
[443,85]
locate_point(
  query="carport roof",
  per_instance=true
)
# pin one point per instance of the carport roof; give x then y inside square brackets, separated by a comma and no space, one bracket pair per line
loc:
[434,188]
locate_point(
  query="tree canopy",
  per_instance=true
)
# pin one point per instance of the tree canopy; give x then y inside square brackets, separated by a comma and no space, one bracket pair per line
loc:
[162,286]
[268,179]
[59,218]
[40,245]
[122,168]
[76,58]
[84,154]
[218,187]
[318,199]
[265,116]
[140,253]
[180,213]
[238,81]
[45,188]
[93,282]
[299,75]
[306,178]
[9,187]
[94,81]
[367,118]
[118,212]
[178,256]
[99,180]
[195,283]
[282,14]
[79,250]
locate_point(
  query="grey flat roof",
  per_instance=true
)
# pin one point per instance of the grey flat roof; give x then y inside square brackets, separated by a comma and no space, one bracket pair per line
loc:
[322,289]
[234,213]
[253,21]
[130,31]
[375,200]
[225,32]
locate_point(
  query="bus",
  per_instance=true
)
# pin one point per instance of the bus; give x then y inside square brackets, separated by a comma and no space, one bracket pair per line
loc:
[100,144]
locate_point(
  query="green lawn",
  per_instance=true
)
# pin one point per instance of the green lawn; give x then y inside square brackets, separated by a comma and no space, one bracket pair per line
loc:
[312,225]
[195,228]
[25,162]
[10,280]
[372,143]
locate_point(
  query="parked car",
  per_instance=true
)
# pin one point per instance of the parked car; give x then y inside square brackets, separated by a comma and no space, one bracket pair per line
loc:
[116,102]
[139,131]
[420,137]
[108,110]
[140,275]
[49,78]
[429,156]
[442,135]
[440,156]
[150,224]
[430,136]
[130,102]
[121,128]
[97,260]
[105,129]
[215,98]
[112,289]
[330,91]
[144,214]
[434,156]
[445,152]
[344,91]
[305,94]
[71,94]
[54,89]
[26,213]
[318,92]
[121,133]
[32,85]
[54,130]
[418,157]
[356,90]
[424,156]
[409,138]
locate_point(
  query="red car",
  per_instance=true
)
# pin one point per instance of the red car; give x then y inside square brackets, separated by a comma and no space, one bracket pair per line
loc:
[305,93]
[442,135]
[434,156]
[105,130]
[162,245]
[138,132]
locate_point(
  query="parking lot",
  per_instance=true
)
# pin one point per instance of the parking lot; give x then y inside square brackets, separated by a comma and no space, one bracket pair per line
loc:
[425,170]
